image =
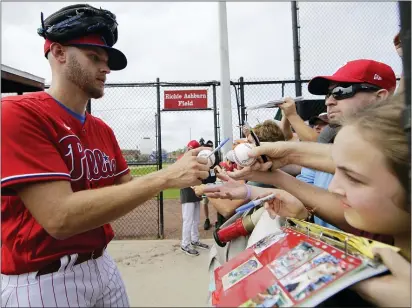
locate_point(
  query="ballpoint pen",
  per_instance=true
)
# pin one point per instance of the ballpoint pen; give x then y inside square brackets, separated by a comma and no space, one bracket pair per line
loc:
[254,203]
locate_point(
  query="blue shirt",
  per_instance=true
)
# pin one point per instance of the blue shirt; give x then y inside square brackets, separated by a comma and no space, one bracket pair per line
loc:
[318,179]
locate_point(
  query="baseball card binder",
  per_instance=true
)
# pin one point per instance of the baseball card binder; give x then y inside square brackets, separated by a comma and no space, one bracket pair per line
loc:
[302,264]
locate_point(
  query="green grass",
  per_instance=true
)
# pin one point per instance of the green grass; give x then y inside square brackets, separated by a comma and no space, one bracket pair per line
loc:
[143,170]
[172,193]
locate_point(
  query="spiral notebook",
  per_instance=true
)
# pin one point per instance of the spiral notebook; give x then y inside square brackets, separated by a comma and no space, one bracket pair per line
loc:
[301,265]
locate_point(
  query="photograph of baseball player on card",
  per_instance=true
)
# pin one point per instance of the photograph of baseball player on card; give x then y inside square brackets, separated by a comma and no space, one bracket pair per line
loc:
[241,272]
[293,259]
[314,275]
[268,241]
[273,296]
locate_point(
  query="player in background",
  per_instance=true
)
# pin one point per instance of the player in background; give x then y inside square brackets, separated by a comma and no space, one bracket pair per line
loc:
[210,179]
[191,215]
[63,176]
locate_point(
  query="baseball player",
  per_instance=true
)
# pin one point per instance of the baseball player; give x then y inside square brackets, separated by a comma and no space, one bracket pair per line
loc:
[63,176]
[191,216]
[205,201]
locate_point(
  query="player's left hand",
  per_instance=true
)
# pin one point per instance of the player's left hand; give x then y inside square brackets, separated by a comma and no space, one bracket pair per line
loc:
[392,290]
[188,171]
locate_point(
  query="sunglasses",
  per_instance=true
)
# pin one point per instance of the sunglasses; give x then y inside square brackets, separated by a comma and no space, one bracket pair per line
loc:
[348,91]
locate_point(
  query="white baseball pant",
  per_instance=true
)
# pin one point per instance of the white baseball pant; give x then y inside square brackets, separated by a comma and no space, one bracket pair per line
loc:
[191,218]
[95,283]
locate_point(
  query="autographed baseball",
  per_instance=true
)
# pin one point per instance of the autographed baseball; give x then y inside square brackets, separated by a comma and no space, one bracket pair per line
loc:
[230,156]
[241,155]
[206,153]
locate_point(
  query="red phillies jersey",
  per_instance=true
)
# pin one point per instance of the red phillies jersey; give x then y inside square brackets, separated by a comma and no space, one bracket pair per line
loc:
[42,140]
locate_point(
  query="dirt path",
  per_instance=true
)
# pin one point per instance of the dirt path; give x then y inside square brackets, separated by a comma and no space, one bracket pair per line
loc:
[157,273]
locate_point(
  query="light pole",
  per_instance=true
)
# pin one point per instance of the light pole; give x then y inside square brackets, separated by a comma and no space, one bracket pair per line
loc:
[225,109]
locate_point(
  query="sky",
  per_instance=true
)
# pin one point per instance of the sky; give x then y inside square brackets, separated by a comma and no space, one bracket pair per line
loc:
[179,42]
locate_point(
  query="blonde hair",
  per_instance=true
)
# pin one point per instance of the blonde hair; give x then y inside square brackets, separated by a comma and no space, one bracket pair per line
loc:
[380,124]
[269,131]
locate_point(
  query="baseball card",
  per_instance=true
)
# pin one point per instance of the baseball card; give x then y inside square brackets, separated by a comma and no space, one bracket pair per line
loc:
[241,272]
[293,259]
[268,241]
[285,270]
[317,273]
[273,296]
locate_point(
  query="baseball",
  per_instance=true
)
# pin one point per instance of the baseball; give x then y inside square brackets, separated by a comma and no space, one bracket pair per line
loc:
[206,153]
[230,156]
[241,155]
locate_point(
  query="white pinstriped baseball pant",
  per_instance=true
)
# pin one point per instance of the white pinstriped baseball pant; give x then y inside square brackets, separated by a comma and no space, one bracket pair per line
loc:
[94,283]
[191,218]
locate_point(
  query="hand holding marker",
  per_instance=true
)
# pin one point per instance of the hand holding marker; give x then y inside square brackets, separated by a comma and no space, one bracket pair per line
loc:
[254,203]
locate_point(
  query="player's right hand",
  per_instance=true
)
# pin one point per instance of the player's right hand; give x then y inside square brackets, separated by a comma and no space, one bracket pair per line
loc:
[189,170]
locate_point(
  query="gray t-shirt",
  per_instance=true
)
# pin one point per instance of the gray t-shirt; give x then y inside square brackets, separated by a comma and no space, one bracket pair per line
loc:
[328,134]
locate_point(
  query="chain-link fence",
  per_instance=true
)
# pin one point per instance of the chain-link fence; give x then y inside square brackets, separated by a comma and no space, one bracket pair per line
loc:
[333,33]
[130,110]
[329,35]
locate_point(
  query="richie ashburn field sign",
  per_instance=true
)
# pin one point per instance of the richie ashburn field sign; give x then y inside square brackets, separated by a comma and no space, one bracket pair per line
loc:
[185,99]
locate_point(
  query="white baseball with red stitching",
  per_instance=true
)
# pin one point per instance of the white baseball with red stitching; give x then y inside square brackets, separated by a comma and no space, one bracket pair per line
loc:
[206,153]
[240,154]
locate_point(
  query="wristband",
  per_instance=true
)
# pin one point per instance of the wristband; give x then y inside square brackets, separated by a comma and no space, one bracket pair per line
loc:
[249,192]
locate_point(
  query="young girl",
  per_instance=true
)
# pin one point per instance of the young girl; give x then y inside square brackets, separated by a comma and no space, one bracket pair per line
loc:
[372,166]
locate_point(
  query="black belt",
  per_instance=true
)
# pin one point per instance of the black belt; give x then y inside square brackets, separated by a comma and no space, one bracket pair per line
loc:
[82,257]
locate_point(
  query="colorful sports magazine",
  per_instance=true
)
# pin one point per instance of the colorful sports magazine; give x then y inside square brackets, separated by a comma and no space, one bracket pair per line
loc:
[301,265]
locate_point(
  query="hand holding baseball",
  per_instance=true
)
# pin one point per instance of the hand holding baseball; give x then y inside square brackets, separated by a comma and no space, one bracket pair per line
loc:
[189,170]
[277,152]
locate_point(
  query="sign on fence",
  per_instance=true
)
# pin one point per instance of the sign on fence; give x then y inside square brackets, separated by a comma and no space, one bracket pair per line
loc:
[185,99]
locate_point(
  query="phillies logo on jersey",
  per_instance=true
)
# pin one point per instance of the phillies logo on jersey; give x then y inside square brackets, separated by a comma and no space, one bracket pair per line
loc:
[95,164]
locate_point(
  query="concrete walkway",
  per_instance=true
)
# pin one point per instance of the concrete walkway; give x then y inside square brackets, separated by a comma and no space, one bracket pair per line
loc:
[157,273]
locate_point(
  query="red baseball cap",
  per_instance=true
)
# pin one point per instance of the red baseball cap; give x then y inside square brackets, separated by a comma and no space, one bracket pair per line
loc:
[117,60]
[193,144]
[226,166]
[357,71]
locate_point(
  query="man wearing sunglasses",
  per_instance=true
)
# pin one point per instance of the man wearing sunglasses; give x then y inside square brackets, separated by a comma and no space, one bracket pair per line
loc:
[354,86]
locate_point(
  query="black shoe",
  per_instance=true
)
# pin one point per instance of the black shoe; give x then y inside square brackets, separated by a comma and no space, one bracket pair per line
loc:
[189,251]
[206,226]
[199,245]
